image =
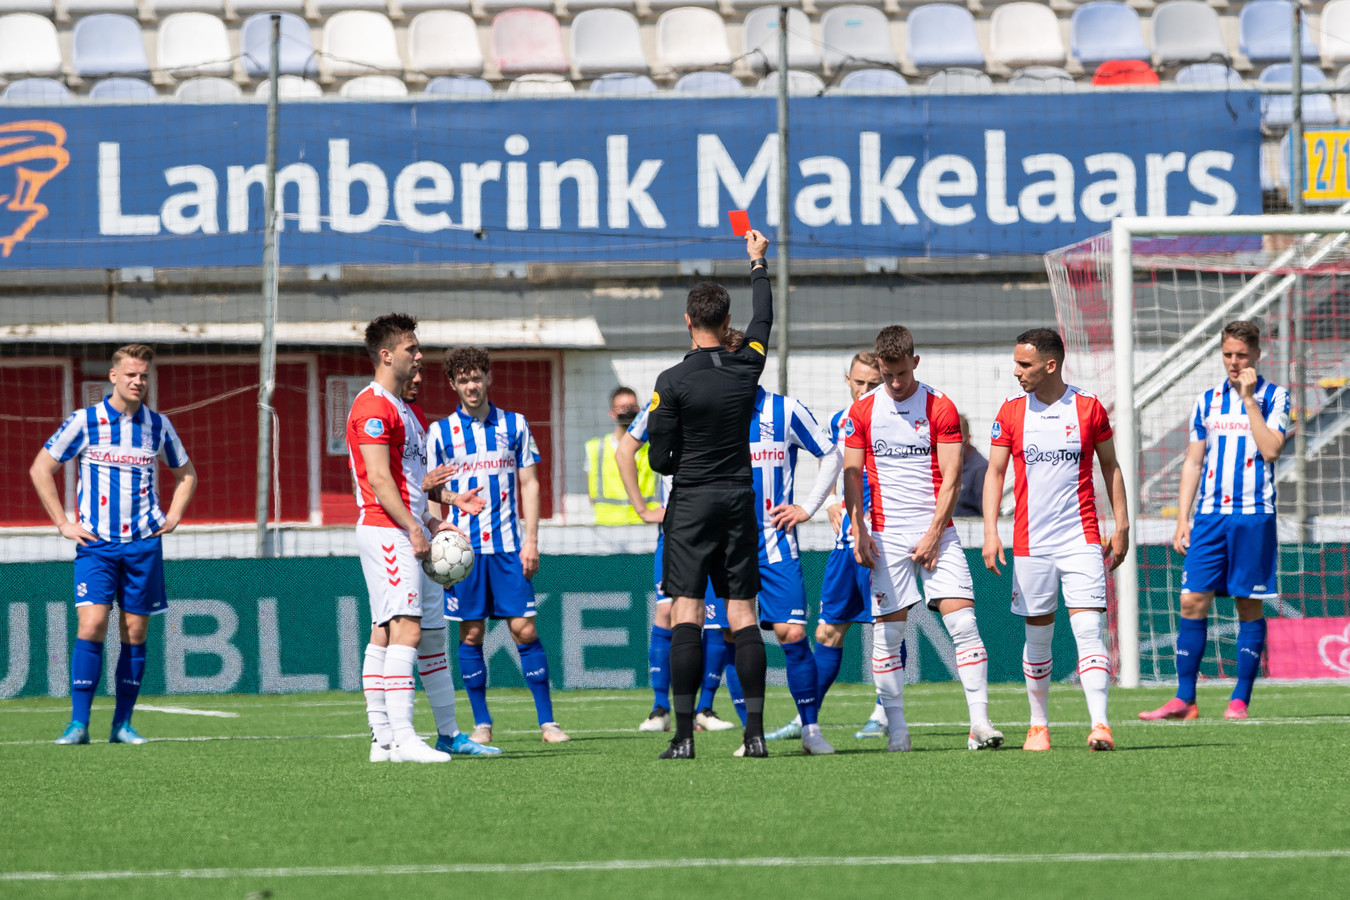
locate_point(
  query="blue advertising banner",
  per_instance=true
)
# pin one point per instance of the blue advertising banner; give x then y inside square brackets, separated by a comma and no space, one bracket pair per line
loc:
[564,180]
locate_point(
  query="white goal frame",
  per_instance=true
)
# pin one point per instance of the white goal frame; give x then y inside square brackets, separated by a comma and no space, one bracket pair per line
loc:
[1123,232]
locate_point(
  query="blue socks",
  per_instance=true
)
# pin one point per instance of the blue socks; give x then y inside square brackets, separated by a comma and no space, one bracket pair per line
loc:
[473,672]
[734,682]
[1251,639]
[801,678]
[130,668]
[714,661]
[658,662]
[828,661]
[86,667]
[534,665]
[1191,637]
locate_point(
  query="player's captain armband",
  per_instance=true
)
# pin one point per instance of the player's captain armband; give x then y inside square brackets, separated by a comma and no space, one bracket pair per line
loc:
[757,347]
[656,401]
[374,427]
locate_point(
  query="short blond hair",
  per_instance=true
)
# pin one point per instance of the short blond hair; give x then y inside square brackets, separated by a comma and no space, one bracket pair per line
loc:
[144,352]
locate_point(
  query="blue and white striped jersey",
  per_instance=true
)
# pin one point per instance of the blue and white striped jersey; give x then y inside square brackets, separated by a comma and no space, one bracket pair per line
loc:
[639,432]
[780,426]
[118,497]
[489,454]
[844,540]
[1236,479]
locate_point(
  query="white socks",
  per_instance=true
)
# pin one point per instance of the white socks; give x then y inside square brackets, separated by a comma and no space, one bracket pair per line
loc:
[372,683]
[399,662]
[1094,666]
[1037,662]
[434,668]
[889,672]
[972,662]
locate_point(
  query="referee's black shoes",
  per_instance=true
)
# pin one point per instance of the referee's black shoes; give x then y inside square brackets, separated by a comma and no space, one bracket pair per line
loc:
[680,748]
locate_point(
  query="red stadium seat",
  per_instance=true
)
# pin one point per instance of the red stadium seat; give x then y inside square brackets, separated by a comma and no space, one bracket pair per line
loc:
[1116,72]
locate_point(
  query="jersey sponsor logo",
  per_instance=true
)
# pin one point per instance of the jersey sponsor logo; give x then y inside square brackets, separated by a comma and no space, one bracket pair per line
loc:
[119,457]
[1230,425]
[757,347]
[34,153]
[768,454]
[505,463]
[1034,454]
[374,427]
[881,448]
[996,431]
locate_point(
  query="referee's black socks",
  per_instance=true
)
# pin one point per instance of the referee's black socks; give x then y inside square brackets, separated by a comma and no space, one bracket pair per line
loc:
[686,675]
[750,667]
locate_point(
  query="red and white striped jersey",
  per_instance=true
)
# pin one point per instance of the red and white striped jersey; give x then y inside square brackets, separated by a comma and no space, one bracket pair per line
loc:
[900,439]
[379,417]
[1052,447]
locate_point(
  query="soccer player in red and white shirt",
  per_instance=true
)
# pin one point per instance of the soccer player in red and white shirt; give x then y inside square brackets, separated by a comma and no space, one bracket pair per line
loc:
[392,534]
[1050,432]
[908,437]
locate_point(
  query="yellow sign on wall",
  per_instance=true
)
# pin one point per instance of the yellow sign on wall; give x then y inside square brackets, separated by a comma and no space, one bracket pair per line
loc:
[1328,166]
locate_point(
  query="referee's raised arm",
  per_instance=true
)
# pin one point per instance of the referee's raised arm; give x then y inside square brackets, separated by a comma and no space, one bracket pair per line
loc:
[761,295]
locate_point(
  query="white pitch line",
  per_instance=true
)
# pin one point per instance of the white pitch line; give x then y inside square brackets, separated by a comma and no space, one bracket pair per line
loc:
[630,865]
[185,711]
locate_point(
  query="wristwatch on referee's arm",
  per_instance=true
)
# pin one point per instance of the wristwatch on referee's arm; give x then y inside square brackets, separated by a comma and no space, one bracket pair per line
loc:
[759,263]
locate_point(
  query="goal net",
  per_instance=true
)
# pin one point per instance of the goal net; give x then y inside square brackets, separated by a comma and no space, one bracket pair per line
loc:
[1185,286]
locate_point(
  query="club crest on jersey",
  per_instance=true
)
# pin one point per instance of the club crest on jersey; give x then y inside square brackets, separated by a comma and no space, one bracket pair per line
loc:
[503,441]
[374,427]
[766,431]
[1070,429]
[81,589]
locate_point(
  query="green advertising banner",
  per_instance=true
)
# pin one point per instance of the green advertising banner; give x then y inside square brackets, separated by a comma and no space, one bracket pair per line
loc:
[301,624]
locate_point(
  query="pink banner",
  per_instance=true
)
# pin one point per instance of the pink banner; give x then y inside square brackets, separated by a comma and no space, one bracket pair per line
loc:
[1308,648]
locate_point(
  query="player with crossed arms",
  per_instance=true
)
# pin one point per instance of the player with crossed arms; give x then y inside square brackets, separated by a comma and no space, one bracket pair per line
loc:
[908,438]
[1050,432]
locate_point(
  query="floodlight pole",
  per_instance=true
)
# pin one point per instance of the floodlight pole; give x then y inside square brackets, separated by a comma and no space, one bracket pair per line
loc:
[267,375]
[784,210]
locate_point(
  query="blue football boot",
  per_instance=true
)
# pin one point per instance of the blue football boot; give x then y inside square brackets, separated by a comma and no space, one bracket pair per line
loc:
[461,745]
[75,733]
[125,734]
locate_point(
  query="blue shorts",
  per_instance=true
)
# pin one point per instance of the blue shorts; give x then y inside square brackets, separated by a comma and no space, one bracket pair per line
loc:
[715,607]
[495,589]
[1233,555]
[129,573]
[845,594]
[782,595]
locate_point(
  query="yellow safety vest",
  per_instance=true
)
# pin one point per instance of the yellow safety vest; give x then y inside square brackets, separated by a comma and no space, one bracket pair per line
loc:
[606,485]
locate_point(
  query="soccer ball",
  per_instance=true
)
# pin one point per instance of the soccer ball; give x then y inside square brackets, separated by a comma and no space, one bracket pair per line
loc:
[450,560]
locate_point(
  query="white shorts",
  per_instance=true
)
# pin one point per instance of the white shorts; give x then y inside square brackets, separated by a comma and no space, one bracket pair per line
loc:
[395,580]
[895,577]
[1037,580]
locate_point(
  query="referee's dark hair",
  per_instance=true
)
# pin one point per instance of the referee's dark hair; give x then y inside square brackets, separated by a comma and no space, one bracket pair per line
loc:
[708,305]
[382,333]
[1047,342]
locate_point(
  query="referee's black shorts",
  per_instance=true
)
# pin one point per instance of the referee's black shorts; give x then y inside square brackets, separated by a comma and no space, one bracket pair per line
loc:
[711,532]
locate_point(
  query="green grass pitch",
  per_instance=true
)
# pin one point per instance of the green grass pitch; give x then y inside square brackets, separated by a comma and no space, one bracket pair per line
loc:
[278,800]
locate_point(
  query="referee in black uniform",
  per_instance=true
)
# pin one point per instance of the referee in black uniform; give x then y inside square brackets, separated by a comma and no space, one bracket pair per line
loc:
[698,431]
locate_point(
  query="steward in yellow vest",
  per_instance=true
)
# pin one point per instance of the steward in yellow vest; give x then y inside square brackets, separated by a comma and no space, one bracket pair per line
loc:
[605,485]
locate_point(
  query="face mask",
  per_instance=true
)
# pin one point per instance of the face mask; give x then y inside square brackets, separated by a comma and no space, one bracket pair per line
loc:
[625,417]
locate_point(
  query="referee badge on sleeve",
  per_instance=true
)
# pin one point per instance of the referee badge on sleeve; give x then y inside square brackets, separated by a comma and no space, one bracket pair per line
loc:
[656,400]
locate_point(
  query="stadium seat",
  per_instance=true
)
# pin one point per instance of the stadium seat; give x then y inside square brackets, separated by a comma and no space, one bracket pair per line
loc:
[692,38]
[168,7]
[872,81]
[759,40]
[800,84]
[1119,72]
[1263,32]
[754,4]
[528,41]
[493,6]
[1106,29]
[37,90]
[540,85]
[123,89]
[879,4]
[623,84]
[1042,80]
[290,87]
[443,41]
[1209,75]
[1186,31]
[1342,101]
[942,35]
[28,45]
[1277,111]
[196,43]
[360,42]
[248,7]
[960,81]
[208,90]
[708,84]
[661,5]
[856,36]
[327,8]
[77,8]
[607,40]
[374,87]
[459,86]
[576,6]
[108,44]
[1335,31]
[1025,34]
[295,50]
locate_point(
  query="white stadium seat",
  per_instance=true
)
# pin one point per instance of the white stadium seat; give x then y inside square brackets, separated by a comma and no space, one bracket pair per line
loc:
[856,37]
[1187,31]
[1335,31]
[28,45]
[540,85]
[360,42]
[194,43]
[374,87]
[528,41]
[208,90]
[1025,34]
[692,38]
[800,84]
[443,42]
[607,40]
[290,87]
[759,40]
[960,81]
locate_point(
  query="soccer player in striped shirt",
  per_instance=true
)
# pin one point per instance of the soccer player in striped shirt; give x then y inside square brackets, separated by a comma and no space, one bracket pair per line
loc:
[118,554]
[1237,432]
[493,449]
[1050,431]
[908,438]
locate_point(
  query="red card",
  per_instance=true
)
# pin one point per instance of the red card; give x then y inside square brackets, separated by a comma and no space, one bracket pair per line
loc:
[740,222]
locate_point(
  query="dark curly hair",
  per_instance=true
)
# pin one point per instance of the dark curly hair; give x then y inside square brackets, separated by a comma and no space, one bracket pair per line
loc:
[462,360]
